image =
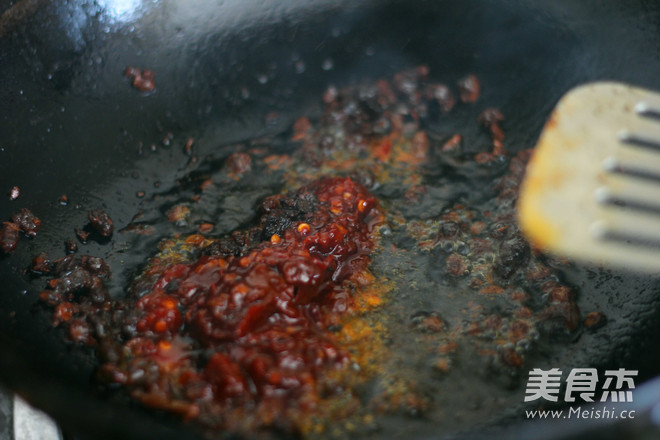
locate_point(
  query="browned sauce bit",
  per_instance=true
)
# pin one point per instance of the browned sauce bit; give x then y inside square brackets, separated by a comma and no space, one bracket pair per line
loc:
[70,246]
[101,222]
[143,80]
[9,237]
[14,192]
[469,88]
[81,234]
[27,222]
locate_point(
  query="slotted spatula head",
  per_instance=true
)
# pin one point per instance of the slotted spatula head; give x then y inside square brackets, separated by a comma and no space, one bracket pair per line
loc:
[592,188]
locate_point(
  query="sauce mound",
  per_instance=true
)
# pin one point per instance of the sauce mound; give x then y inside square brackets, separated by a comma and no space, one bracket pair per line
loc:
[249,330]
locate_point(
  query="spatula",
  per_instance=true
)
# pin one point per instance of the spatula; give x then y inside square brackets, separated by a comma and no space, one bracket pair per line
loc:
[592,188]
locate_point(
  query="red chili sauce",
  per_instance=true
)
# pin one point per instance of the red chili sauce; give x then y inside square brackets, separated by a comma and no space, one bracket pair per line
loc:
[262,317]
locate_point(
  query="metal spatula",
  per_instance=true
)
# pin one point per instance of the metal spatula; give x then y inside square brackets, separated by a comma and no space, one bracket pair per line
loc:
[592,188]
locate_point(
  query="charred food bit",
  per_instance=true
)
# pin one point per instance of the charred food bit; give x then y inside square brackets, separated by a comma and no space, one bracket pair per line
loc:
[239,163]
[187,148]
[14,193]
[71,246]
[77,280]
[143,80]
[453,144]
[490,119]
[41,264]
[442,95]
[27,222]
[101,222]
[96,266]
[178,214]
[469,88]
[205,228]
[9,237]
[82,235]
[594,320]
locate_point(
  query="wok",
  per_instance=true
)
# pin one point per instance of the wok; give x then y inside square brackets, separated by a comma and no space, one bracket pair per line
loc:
[71,124]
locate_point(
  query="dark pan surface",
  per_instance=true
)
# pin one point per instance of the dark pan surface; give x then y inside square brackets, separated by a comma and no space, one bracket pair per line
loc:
[71,124]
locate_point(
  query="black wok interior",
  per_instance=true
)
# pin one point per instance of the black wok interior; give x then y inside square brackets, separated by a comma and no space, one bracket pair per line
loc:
[71,124]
